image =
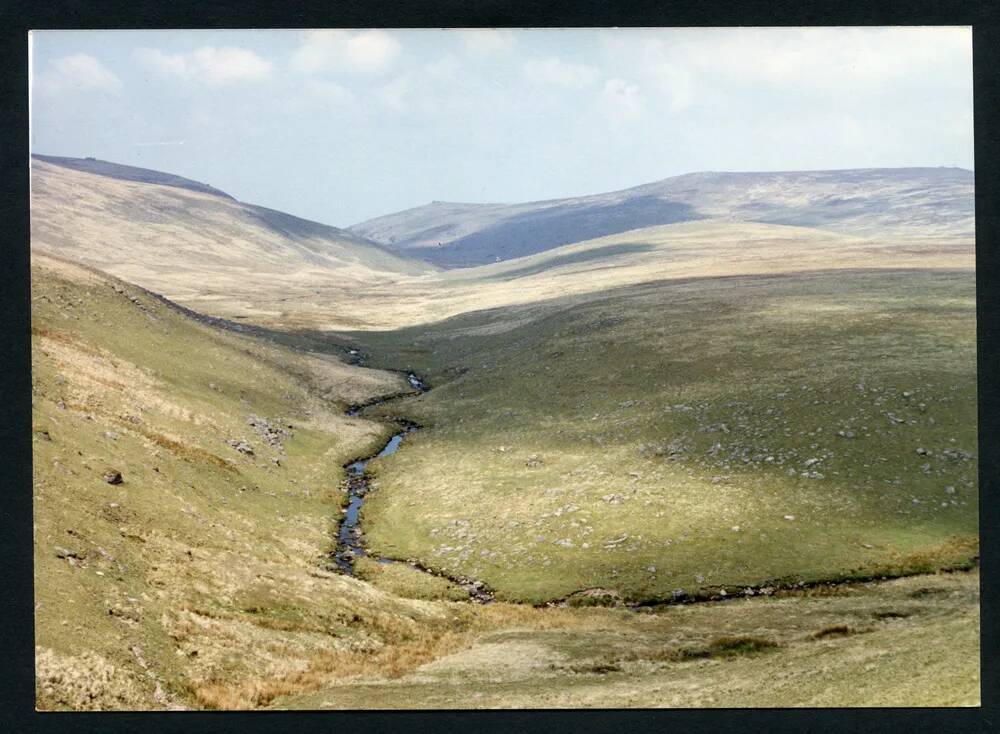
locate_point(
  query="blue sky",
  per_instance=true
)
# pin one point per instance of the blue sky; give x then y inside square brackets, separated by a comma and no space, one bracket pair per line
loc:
[341,126]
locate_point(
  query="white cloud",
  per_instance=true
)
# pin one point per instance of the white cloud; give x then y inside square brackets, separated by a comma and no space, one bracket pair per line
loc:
[487,41]
[329,92]
[334,50]
[419,90]
[210,65]
[554,71]
[815,56]
[621,100]
[78,73]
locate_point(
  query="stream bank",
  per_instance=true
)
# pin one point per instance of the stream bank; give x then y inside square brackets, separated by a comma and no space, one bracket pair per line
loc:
[350,538]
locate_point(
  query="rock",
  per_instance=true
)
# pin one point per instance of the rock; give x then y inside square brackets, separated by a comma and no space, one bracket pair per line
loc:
[956,455]
[651,569]
[922,451]
[242,446]
[789,517]
[735,528]
[613,499]
[949,490]
[113,476]
[533,461]
[616,541]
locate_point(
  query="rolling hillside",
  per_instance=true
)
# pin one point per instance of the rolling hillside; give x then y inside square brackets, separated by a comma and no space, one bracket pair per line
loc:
[864,202]
[704,409]
[190,244]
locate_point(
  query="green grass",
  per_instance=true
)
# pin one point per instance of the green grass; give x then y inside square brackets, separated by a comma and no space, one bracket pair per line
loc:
[206,561]
[706,411]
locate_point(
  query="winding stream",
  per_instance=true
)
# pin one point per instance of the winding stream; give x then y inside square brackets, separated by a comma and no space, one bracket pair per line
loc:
[350,539]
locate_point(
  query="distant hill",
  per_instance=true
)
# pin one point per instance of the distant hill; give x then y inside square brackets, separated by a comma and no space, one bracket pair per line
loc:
[198,246]
[129,173]
[866,202]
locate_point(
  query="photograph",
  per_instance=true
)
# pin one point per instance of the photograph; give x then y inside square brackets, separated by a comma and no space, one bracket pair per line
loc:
[503,368]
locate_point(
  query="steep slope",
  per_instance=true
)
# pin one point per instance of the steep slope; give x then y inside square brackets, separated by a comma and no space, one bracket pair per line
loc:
[169,556]
[899,202]
[195,246]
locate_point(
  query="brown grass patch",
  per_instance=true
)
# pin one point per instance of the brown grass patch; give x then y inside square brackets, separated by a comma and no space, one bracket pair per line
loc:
[834,630]
[732,645]
[392,661]
[184,451]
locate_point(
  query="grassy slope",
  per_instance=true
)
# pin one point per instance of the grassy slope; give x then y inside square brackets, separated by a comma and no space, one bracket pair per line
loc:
[679,423]
[699,249]
[182,590]
[204,564]
[209,252]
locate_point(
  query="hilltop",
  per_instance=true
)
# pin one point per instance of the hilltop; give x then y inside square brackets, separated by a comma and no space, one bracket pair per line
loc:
[193,245]
[861,202]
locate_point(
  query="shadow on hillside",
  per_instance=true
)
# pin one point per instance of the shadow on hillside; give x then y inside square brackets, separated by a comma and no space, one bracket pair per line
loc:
[573,258]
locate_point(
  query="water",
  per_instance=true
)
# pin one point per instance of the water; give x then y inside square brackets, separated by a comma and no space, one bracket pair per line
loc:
[350,541]
[349,538]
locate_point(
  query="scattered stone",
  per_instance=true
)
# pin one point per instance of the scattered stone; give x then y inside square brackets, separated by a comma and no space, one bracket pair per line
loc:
[242,446]
[113,476]
[922,451]
[273,432]
[651,569]
[533,461]
[956,455]
[613,499]
[789,517]
[69,554]
[949,490]
[846,434]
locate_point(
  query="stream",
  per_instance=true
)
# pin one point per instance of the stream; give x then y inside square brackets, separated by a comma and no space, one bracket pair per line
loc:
[350,539]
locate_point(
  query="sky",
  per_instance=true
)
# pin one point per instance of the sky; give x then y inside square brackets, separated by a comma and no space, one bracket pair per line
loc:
[340,126]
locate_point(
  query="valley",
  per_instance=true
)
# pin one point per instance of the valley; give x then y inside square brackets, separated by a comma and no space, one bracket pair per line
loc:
[725,458]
